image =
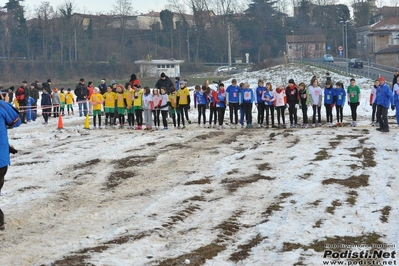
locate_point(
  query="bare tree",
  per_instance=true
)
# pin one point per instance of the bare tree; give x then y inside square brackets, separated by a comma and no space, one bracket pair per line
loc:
[44,13]
[123,9]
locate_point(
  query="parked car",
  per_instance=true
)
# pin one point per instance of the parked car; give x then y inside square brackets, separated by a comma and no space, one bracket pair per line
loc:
[355,63]
[225,69]
[328,58]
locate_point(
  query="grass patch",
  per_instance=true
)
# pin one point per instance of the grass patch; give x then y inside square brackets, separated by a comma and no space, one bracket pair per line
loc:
[368,157]
[321,155]
[264,166]
[202,181]
[28,188]
[232,172]
[318,223]
[276,206]
[334,144]
[334,204]
[305,175]
[352,197]
[351,182]
[117,177]
[315,203]
[234,184]
[133,161]
[195,198]
[208,135]
[384,213]
[320,245]
[244,250]
[196,257]
[86,164]
[181,215]
[80,257]
[229,227]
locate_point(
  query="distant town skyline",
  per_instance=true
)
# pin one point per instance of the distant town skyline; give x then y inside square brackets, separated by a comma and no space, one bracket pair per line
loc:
[141,7]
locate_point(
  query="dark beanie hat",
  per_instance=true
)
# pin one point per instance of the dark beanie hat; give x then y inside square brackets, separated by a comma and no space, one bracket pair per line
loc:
[163,75]
[33,84]
[49,80]
[291,81]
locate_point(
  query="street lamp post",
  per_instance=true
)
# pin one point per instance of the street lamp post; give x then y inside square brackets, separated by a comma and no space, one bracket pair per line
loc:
[345,41]
[293,44]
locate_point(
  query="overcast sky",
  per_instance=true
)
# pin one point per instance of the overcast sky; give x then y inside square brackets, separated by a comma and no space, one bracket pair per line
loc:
[95,6]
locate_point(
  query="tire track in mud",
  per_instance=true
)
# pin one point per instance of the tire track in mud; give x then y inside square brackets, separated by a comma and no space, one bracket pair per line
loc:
[227,227]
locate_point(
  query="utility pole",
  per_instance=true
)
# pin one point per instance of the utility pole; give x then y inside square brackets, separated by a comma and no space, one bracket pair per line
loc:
[346,46]
[229,45]
[76,51]
[188,46]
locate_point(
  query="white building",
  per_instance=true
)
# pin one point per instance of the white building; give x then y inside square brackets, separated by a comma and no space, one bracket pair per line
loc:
[154,68]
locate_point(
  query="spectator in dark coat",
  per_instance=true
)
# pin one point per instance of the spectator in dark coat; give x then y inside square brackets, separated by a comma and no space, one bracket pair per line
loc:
[165,82]
[395,79]
[22,95]
[81,93]
[47,85]
[46,105]
[34,93]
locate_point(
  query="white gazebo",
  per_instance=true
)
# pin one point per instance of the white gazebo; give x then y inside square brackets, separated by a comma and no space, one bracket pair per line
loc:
[154,68]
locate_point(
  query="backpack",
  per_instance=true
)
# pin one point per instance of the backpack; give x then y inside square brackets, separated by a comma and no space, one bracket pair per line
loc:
[20,94]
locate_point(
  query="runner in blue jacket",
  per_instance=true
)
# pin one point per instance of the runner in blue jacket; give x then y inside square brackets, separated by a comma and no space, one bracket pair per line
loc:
[232,101]
[384,98]
[259,102]
[247,101]
[339,101]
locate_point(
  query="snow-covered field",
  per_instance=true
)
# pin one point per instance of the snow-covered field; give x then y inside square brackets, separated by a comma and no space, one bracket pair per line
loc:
[229,197]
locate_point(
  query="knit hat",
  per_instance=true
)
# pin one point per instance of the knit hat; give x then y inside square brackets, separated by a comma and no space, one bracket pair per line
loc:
[382,79]
[182,82]
[82,79]
[49,80]
[163,75]
[69,89]
[291,81]
[33,84]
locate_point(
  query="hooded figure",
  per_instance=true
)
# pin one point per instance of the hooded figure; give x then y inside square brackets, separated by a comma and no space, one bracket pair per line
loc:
[165,82]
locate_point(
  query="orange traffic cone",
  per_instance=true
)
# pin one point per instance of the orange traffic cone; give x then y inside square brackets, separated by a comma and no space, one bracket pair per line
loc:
[60,124]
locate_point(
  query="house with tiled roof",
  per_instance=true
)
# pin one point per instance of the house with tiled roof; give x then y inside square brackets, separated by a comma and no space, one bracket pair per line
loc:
[305,46]
[383,41]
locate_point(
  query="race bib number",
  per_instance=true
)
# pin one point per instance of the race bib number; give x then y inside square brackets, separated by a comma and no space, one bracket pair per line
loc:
[352,94]
[222,94]
[316,93]
[304,96]
[280,100]
[328,97]
[234,94]
[247,96]
[293,92]
[340,97]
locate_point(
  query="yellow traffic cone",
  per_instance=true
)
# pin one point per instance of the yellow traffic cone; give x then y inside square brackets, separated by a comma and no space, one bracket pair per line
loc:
[87,122]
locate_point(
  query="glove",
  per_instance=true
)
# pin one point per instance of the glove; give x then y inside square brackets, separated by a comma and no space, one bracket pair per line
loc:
[358,103]
[393,107]
[296,106]
[349,103]
[287,105]
[12,150]
[371,104]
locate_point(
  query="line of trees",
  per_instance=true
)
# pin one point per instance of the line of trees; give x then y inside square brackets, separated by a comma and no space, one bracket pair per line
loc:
[59,43]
